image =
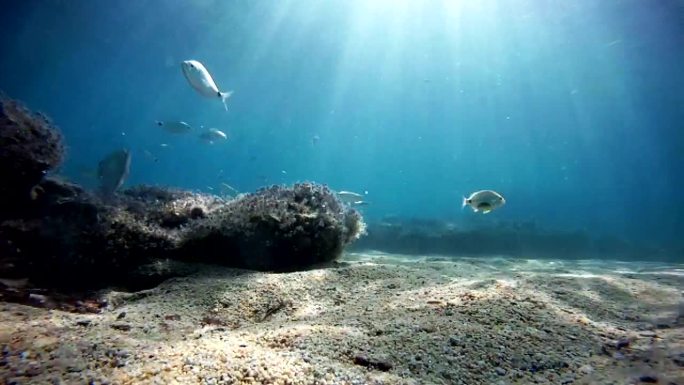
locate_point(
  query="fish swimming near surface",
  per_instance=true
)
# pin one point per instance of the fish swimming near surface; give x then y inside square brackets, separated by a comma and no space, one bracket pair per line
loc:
[212,135]
[484,201]
[360,203]
[200,79]
[349,197]
[113,170]
[175,127]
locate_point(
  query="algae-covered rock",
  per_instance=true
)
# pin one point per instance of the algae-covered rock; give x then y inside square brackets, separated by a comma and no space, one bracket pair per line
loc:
[30,146]
[70,237]
[58,234]
[276,228]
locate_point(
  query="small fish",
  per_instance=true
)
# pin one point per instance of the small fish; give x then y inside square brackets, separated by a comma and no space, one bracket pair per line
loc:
[113,170]
[150,156]
[315,139]
[360,203]
[36,191]
[163,145]
[226,186]
[175,127]
[484,201]
[349,197]
[200,79]
[212,135]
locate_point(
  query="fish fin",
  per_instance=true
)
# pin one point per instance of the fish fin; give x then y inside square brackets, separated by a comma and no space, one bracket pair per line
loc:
[224,98]
[486,211]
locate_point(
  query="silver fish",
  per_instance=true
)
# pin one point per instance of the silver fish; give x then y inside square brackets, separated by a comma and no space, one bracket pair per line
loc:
[212,135]
[200,79]
[113,170]
[349,196]
[175,127]
[484,201]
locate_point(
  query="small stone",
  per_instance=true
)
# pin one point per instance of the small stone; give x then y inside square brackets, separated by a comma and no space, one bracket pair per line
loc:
[121,326]
[678,359]
[44,342]
[586,369]
[121,353]
[83,322]
[119,363]
[622,343]
[34,369]
[39,298]
[649,379]
[76,368]
[454,341]
[121,315]
[500,371]
[372,363]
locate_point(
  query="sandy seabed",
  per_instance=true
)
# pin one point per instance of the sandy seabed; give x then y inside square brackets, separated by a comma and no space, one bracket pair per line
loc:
[373,319]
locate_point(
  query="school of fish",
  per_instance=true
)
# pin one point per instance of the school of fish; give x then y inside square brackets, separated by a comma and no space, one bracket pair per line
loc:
[114,169]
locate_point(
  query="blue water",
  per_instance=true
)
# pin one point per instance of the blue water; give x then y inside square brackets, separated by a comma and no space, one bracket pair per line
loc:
[572,110]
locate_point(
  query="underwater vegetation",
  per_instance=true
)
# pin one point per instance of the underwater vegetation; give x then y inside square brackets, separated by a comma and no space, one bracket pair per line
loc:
[59,234]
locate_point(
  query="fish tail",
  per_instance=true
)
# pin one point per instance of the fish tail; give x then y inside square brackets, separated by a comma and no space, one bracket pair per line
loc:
[465,203]
[224,98]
